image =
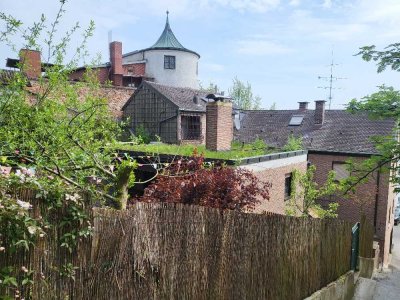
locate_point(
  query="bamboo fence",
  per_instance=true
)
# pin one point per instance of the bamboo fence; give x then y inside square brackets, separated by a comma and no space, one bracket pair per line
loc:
[176,251]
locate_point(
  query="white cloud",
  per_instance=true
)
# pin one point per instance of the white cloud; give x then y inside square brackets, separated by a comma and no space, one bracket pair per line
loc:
[261,47]
[212,67]
[294,3]
[327,4]
[258,6]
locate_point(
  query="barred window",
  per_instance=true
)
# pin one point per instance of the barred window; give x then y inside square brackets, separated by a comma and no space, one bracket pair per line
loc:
[169,62]
[191,127]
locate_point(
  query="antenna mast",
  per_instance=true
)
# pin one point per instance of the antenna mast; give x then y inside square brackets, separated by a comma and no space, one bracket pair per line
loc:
[330,79]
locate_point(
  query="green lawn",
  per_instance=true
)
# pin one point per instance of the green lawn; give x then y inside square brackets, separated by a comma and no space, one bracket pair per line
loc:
[238,150]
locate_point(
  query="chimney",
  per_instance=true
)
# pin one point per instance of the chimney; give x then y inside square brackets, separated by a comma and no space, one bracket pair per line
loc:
[319,114]
[303,106]
[116,63]
[30,63]
[219,126]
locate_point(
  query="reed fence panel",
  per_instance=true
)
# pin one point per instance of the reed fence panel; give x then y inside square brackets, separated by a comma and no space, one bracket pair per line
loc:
[175,251]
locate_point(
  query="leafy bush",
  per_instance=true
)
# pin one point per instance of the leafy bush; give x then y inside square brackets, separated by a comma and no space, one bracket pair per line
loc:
[293,143]
[142,136]
[192,182]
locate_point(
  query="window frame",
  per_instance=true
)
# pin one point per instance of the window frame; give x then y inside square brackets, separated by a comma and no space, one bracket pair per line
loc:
[169,62]
[340,163]
[191,128]
[288,186]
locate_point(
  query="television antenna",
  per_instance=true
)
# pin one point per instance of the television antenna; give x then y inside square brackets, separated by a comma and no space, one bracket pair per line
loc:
[330,80]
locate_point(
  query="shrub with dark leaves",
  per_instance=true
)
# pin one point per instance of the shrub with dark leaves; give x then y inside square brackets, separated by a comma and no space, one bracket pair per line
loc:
[191,181]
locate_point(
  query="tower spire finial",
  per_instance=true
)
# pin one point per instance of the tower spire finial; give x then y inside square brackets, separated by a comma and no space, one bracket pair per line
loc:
[167,16]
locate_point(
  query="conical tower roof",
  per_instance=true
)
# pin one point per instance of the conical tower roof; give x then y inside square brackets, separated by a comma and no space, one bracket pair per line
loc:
[168,40]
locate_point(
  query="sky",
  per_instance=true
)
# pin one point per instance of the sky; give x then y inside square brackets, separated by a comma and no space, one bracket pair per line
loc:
[280,47]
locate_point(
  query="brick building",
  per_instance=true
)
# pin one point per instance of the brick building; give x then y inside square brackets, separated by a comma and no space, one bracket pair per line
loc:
[32,67]
[332,138]
[166,62]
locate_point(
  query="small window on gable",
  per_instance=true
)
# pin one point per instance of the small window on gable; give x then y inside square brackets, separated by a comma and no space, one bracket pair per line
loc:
[341,171]
[169,62]
[288,185]
[296,120]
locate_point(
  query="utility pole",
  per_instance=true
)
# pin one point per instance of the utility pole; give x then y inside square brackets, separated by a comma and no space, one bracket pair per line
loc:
[330,80]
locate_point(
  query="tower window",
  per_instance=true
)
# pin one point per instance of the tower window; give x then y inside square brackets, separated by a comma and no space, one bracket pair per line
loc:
[169,62]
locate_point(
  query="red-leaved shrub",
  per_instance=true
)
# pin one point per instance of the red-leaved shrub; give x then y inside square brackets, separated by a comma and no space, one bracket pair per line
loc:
[190,181]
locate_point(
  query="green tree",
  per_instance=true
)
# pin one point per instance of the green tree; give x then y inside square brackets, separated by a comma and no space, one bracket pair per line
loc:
[63,130]
[58,136]
[211,88]
[389,57]
[242,95]
[383,104]
[305,193]
[293,143]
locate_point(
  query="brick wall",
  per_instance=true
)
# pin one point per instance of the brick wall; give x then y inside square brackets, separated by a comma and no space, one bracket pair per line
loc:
[319,113]
[219,127]
[30,63]
[116,96]
[101,73]
[374,198]
[134,69]
[276,176]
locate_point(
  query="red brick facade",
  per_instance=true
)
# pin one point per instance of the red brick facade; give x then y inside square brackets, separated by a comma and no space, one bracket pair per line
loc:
[101,73]
[375,198]
[137,69]
[276,176]
[30,63]
[219,127]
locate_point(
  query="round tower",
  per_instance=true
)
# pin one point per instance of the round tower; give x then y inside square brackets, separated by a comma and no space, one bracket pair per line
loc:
[169,63]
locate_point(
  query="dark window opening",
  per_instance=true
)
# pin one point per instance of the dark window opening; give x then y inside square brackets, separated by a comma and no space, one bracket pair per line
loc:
[288,185]
[169,62]
[191,127]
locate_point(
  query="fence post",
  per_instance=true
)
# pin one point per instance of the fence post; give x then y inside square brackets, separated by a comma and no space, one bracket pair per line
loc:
[355,232]
[366,248]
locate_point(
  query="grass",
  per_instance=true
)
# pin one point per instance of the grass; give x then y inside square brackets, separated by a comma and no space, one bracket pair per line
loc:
[238,150]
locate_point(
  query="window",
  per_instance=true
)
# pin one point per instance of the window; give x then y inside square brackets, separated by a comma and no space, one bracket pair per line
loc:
[341,171]
[169,62]
[288,185]
[296,120]
[191,128]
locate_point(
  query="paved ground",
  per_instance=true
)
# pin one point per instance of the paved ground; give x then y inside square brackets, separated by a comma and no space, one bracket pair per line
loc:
[388,281]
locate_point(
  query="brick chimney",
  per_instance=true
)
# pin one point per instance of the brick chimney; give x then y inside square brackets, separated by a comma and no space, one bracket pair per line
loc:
[116,63]
[303,106]
[30,63]
[219,126]
[319,114]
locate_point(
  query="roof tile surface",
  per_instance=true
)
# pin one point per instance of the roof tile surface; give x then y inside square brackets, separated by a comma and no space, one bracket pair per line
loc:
[341,130]
[181,97]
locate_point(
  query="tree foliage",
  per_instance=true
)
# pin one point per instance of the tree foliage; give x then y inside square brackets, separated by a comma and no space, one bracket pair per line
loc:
[293,143]
[192,182]
[306,193]
[54,141]
[242,95]
[383,104]
[60,128]
[389,57]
